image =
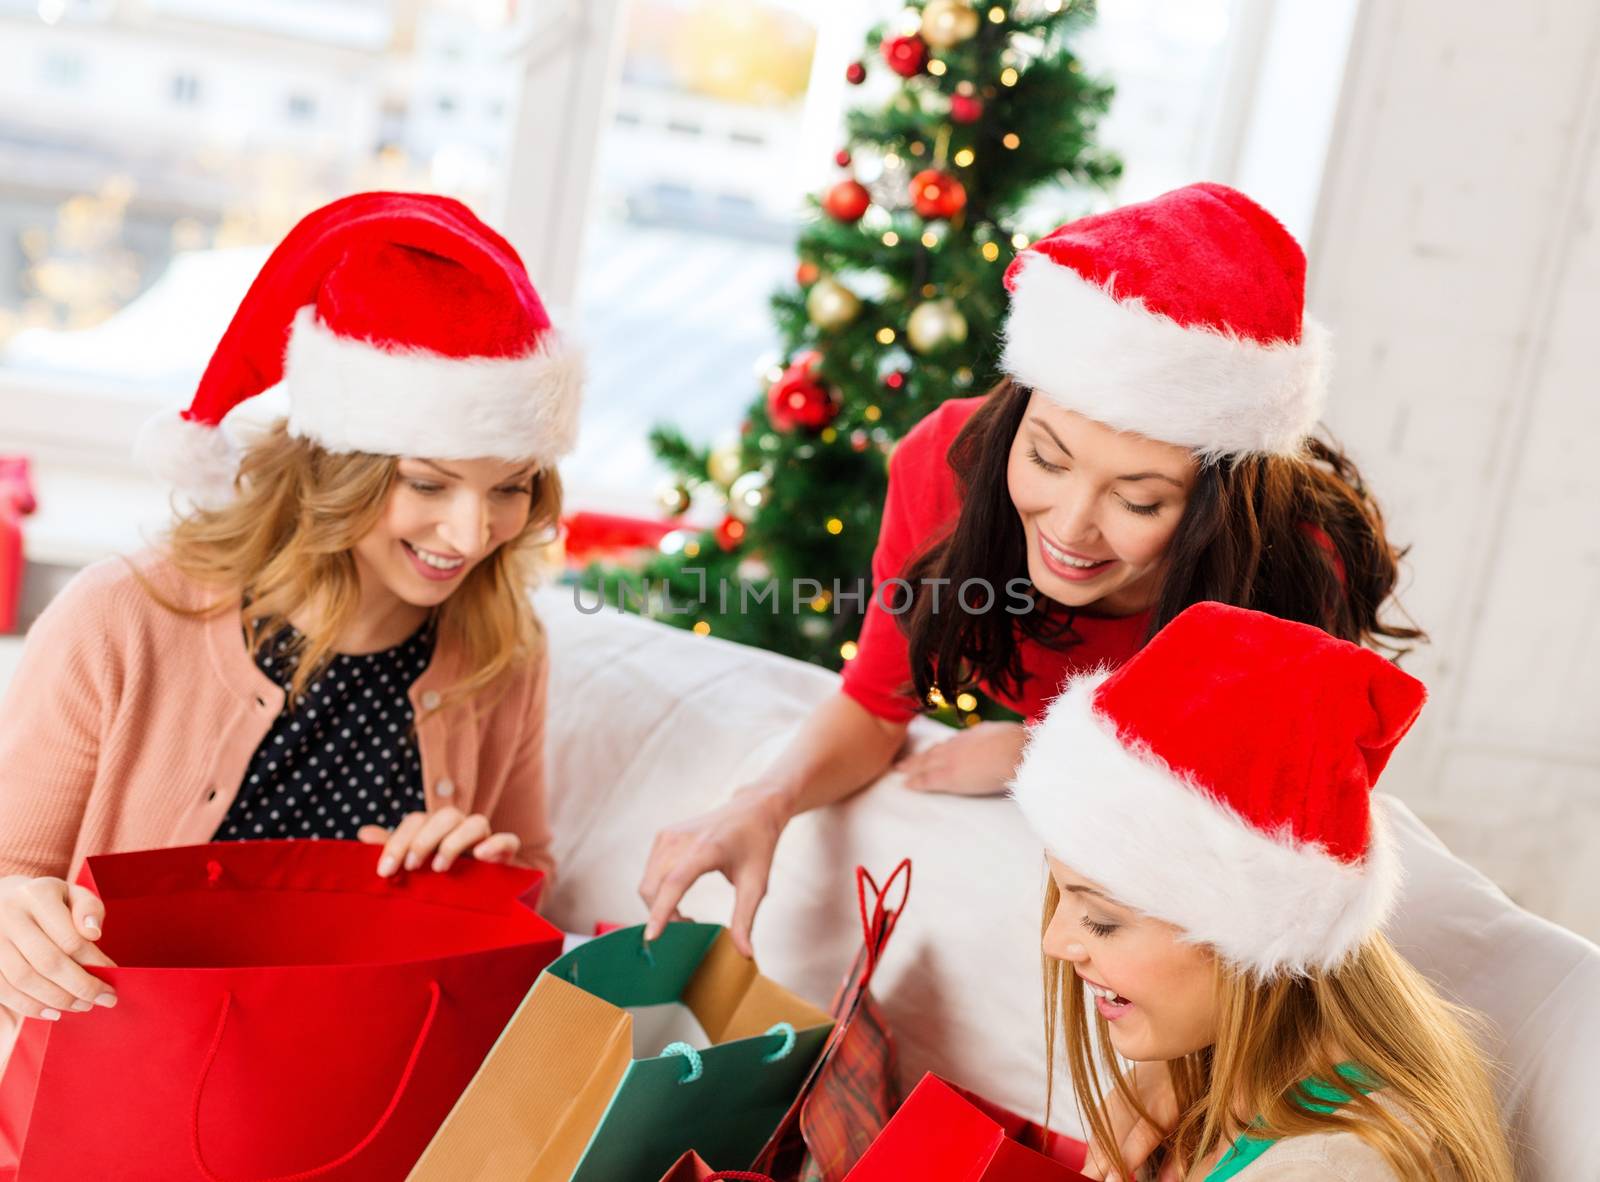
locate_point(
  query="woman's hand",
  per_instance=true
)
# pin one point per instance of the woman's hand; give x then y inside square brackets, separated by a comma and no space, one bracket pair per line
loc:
[47,932]
[443,836]
[739,840]
[1138,1138]
[976,761]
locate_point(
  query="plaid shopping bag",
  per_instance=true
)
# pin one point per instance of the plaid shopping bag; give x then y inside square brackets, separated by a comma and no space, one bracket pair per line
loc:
[854,1088]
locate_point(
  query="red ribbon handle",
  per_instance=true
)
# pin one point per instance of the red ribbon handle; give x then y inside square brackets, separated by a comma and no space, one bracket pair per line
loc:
[877,927]
[349,1154]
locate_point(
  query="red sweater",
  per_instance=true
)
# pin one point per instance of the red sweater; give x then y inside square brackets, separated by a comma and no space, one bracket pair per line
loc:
[921,507]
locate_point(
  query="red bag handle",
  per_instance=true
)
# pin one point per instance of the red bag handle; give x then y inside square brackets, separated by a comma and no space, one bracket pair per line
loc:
[349,1154]
[879,926]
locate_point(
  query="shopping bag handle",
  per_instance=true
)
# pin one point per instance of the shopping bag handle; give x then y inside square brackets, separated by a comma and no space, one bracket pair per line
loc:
[349,1154]
[879,926]
[695,1067]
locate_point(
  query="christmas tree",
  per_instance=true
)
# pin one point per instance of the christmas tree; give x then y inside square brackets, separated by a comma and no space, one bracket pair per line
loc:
[897,305]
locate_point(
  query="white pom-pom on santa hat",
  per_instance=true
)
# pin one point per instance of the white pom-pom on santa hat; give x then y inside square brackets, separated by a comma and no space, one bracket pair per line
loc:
[398,324]
[1180,319]
[200,459]
[1221,780]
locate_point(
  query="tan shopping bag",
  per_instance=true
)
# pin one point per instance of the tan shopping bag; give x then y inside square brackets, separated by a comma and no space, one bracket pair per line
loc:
[565,1094]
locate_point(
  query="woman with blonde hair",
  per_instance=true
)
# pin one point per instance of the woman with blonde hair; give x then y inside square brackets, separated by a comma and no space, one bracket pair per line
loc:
[1220,874]
[338,642]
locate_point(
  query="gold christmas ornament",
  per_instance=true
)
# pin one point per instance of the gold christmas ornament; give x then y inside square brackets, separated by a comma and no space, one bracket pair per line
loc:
[947,23]
[723,465]
[831,304]
[673,498]
[935,324]
[746,495]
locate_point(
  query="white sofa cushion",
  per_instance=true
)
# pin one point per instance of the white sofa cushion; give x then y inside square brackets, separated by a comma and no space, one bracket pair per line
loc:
[650,725]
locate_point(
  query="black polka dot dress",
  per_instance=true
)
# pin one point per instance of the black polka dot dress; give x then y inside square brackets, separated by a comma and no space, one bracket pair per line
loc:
[345,756]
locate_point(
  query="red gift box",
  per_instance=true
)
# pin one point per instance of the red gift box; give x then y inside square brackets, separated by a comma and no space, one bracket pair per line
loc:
[692,1168]
[945,1134]
[16,502]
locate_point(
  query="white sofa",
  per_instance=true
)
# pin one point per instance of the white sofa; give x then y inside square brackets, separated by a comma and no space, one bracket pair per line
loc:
[650,724]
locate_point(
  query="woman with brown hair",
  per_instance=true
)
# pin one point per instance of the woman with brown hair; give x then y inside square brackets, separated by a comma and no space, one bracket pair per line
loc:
[1149,448]
[338,643]
[1220,876]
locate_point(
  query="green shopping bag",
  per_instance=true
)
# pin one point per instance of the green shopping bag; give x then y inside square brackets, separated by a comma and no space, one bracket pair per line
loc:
[626,1055]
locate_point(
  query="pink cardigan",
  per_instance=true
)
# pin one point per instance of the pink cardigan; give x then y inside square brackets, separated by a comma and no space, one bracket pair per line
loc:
[127,726]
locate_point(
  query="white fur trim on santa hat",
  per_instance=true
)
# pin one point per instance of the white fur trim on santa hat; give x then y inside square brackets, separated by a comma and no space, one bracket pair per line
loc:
[1167,848]
[1136,370]
[197,460]
[352,395]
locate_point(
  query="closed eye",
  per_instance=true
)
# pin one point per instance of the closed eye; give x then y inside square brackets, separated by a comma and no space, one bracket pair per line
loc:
[1033,454]
[1142,510]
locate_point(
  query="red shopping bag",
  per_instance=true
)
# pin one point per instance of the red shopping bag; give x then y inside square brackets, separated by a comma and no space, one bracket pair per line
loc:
[283,1013]
[691,1167]
[945,1134]
[854,1086]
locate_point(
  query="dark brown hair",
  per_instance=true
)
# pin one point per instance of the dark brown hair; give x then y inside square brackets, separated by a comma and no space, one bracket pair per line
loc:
[1255,533]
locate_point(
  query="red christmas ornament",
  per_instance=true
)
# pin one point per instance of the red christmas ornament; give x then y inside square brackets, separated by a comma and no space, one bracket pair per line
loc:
[965,108]
[842,157]
[847,201]
[895,380]
[730,533]
[906,55]
[855,74]
[936,194]
[799,399]
[806,273]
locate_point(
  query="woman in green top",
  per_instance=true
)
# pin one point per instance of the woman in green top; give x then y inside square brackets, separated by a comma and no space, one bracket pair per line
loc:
[1220,873]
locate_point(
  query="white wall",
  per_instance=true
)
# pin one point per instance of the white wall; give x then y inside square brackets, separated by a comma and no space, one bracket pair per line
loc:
[1457,256]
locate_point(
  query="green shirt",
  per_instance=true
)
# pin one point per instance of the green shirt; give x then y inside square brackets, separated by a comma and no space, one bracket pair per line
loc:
[1247,1148]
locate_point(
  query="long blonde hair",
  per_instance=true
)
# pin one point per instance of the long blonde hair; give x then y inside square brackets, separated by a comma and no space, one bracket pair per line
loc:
[1375,1007]
[286,541]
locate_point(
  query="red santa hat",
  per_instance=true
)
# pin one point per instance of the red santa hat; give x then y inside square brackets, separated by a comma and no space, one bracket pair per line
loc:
[1221,780]
[1181,319]
[398,324]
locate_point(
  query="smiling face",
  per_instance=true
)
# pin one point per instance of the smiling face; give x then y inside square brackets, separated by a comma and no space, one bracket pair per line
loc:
[1156,991]
[442,519]
[1098,506]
